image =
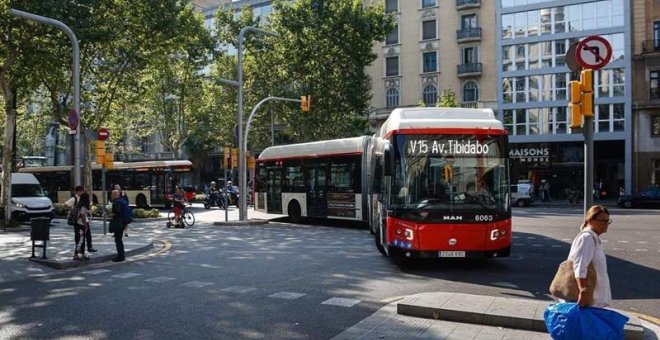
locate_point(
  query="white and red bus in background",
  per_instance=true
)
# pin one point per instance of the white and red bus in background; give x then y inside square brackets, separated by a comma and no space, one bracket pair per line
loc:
[440,185]
[319,179]
[431,183]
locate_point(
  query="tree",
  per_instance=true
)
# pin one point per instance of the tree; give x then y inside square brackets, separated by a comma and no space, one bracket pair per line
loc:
[447,99]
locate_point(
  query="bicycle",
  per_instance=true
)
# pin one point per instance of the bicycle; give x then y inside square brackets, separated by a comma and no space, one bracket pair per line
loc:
[187,218]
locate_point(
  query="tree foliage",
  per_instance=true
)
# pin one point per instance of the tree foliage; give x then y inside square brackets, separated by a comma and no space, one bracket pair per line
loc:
[447,98]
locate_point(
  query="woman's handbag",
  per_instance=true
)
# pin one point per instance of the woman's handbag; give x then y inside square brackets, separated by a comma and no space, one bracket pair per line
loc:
[564,284]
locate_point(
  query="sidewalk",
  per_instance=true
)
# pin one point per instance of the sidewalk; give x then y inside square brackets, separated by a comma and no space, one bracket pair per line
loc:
[16,249]
[564,203]
[465,316]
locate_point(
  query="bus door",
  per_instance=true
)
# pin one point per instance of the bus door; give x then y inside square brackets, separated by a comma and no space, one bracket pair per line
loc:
[316,189]
[274,190]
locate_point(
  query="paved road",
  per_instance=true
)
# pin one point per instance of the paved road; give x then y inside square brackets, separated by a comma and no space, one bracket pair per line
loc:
[302,281]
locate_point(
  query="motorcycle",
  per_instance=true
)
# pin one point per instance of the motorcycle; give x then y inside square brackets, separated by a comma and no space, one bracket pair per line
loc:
[215,199]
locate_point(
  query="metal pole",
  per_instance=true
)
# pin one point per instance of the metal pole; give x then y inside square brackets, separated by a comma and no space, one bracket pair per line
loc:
[105,198]
[588,162]
[242,210]
[75,70]
[272,128]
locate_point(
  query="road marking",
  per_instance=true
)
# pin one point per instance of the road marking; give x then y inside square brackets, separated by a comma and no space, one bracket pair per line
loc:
[126,275]
[197,284]
[619,249]
[514,237]
[604,241]
[160,279]
[505,284]
[518,244]
[622,241]
[287,295]
[238,289]
[642,242]
[566,239]
[557,245]
[209,266]
[537,245]
[531,238]
[341,302]
[641,250]
[97,271]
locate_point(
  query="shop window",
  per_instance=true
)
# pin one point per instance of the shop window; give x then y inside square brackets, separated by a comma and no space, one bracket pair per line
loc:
[655,126]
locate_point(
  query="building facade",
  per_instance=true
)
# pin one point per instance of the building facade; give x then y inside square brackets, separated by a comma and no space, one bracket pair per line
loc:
[437,45]
[533,37]
[646,93]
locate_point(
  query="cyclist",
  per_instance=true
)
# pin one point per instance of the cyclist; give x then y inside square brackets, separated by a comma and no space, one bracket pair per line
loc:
[178,199]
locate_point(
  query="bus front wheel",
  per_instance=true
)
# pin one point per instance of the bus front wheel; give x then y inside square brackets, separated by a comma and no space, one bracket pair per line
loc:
[141,201]
[294,212]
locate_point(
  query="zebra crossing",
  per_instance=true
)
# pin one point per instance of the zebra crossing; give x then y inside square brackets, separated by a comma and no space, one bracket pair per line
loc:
[235,290]
[566,243]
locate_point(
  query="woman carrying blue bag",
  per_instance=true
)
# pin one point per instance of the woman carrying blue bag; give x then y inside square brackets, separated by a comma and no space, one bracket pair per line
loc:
[585,316]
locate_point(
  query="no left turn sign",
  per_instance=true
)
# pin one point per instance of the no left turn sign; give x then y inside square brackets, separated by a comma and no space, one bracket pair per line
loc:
[593,52]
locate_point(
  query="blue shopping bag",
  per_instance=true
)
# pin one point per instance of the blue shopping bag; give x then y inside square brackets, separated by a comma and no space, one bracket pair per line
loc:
[569,321]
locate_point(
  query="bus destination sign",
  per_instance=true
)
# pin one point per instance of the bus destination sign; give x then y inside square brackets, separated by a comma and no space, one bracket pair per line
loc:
[447,147]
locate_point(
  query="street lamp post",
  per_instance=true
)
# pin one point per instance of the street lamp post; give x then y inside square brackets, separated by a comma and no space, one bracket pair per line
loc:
[242,181]
[75,70]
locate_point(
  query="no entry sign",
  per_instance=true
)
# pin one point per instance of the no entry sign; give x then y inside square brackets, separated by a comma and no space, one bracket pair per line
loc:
[103,134]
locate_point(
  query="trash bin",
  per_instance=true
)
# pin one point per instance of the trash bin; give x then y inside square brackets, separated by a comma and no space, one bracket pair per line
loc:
[39,231]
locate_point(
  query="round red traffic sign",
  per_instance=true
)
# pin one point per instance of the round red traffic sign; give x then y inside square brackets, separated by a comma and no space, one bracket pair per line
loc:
[72,119]
[593,52]
[103,134]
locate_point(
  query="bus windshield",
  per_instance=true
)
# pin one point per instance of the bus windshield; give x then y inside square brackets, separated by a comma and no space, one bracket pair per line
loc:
[440,174]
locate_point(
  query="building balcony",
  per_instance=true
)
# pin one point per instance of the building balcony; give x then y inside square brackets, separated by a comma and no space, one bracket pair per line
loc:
[471,69]
[468,34]
[467,4]
[470,105]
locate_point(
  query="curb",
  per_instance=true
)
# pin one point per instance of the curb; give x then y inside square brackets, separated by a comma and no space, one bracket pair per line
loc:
[513,313]
[97,259]
[242,223]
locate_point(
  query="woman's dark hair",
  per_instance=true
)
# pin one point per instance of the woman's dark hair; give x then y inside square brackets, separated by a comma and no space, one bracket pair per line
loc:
[84,200]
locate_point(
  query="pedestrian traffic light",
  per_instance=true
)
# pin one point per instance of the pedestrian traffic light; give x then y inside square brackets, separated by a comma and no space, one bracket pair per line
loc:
[234,158]
[305,103]
[99,151]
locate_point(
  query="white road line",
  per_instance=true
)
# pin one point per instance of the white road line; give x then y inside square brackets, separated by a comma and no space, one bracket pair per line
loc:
[618,249]
[604,241]
[514,237]
[238,289]
[160,279]
[622,241]
[642,242]
[518,244]
[505,284]
[641,250]
[557,245]
[531,238]
[97,271]
[286,295]
[126,275]
[566,239]
[197,284]
[537,245]
[341,302]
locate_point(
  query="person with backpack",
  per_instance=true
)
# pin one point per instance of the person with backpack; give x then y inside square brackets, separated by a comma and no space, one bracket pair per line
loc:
[117,225]
[70,205]
[127,213]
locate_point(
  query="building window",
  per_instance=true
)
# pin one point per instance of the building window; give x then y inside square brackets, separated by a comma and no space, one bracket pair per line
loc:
[393,36]
[520,90]
[428,30]
[430,95]
[392,98]
[507,119]
[507,90]
[520,125]
[430,62]
[618,117]
[469,21]
[391,6]
[602,118]
[656,171]
[560,86]
[560,119]
[470,55]
[428,3]
[391,66]
[655,126]
[470,92]
[656,34]
[654,85]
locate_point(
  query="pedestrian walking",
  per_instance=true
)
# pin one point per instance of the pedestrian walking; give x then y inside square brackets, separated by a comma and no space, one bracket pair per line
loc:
[587,248]
[546,192]
[81,225]
[117,225]
[127,213]
[70,204]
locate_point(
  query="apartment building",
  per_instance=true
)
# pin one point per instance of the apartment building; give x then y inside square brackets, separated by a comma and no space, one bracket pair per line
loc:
[437,45]
[646,93]
[532,38]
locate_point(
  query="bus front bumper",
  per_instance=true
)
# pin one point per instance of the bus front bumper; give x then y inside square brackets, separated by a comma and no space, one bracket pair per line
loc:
[417,254]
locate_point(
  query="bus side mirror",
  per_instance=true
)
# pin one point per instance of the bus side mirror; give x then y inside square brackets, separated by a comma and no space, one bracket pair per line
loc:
[388,159]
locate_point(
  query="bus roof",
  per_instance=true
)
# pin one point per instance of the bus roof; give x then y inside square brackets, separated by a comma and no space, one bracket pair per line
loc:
[343,146]
[439,118]
[116,166]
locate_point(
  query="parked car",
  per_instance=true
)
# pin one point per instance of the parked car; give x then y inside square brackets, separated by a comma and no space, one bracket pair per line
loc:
[522,194]
[28,199]
[649,198]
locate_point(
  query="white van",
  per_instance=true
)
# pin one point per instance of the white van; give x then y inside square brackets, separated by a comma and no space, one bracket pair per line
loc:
[28,199]
[522,194]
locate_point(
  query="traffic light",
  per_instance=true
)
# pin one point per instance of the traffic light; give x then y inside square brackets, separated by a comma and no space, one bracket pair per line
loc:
[448,172]
[108,160]
[582,98]
[234,158]
[250,162]
[99,151]
[305,103]
[226,157]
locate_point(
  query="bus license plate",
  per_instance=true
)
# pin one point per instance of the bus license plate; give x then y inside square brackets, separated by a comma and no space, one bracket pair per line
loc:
[451,254]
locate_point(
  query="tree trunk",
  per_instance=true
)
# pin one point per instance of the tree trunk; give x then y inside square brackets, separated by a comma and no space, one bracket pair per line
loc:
[7,156]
